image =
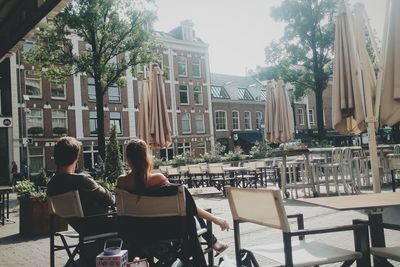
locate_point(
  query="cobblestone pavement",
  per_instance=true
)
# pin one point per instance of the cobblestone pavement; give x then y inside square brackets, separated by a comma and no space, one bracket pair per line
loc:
[18,251]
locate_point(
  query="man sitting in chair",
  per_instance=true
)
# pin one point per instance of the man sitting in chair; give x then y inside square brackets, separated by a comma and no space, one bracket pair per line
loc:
[94,198]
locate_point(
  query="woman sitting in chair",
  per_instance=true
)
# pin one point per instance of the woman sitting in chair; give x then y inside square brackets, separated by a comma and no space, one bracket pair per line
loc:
[140,177]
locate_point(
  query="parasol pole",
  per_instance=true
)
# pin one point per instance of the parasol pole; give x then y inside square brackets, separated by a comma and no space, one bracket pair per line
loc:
[371,121]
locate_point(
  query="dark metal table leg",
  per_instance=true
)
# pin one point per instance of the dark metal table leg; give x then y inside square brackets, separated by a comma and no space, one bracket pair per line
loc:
[377,235]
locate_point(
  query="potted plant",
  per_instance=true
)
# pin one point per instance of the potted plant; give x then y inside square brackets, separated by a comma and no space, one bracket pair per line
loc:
[60,130]
[34,211]
[35,131]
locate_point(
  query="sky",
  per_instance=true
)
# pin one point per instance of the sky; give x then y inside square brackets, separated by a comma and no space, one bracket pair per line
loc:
[237,31]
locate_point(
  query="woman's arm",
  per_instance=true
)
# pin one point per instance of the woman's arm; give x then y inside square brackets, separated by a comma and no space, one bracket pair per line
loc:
[209,217]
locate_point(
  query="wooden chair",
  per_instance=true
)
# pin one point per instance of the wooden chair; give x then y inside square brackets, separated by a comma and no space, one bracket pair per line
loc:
[157,226]
[174,176]
[265,207]
[196,176]
[69,206]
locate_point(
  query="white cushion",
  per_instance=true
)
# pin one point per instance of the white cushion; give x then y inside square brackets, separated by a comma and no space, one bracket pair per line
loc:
[306,253]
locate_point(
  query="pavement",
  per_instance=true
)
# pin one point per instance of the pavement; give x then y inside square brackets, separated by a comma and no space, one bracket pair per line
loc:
[18,251]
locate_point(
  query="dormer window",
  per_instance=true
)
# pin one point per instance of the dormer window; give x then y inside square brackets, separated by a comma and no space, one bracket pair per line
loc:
[187,30]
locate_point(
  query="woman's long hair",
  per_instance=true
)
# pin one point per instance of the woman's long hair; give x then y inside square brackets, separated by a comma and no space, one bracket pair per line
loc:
[137,152]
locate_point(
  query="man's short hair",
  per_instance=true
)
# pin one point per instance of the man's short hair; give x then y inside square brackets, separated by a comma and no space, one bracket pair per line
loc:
[66,151]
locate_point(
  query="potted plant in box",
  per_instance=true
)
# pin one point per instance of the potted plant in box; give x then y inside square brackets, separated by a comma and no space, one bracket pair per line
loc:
[34,211]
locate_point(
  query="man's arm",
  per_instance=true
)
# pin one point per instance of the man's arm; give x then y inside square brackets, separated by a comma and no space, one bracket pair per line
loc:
[100,193]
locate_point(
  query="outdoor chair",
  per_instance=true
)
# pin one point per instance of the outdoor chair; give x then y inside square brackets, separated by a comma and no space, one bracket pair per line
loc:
[159,226]
[394,166]
[196,176]
[265,207]
[347,170]
[174,176]
[69,206]
[361,169]
[217,177]
[248,177]
[391,253]
[324,171]
[298,178]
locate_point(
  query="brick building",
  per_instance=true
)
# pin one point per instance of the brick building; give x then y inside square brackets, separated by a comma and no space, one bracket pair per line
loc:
[46,111]
[238,110]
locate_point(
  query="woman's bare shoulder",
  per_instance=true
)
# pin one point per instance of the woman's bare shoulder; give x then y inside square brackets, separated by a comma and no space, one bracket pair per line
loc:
[122,181]
[158,179]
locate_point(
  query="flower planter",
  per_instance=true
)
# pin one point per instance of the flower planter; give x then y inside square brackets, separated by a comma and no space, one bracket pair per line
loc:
[34,217]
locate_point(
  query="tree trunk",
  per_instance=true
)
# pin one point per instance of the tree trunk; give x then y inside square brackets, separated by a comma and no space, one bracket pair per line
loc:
[101,139]
[320,111]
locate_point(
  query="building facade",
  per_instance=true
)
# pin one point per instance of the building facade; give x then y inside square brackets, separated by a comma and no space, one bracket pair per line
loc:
[238,105]
[46,111]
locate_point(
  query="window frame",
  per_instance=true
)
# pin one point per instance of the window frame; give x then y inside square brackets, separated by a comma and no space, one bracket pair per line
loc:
[32,155]
[65,118]
[300,114]
[182,61]
[197,64]
[199,93]
[311,115]
[238,120]
[203,124]
[121,132]
[184,147]
[204,148]
[95,121]
[91,85]
[30,118]
[224,118]
[36,79]
[189,121]
[119,94]
[187,94]
[250,121]
[58,97]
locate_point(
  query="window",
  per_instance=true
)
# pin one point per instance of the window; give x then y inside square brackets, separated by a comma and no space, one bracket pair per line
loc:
[196,67]
[167,153]
[200,123]
[183,94]
[114,94]
[115,119]
[186,127]
[57,91]
[259,119]
[91,89]
[220,120]
[235,120]
[28,45]
[300,114]
[244,94]
[184,148]
[247,120]
[33,85]
[59,118]
[90,157]
[182,66]
[201,148]
[219,92]
[311,116]
[35,120]
[93,122]
[36,158]
[198,95]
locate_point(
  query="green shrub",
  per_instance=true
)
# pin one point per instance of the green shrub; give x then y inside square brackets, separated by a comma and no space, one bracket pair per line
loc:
[113,163]
[107,184]
[60,130]
[35,131]
[26,188]
[260,150]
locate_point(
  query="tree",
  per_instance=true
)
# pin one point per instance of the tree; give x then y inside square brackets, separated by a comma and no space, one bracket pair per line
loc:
[118,36]
[303,56]
[113,164]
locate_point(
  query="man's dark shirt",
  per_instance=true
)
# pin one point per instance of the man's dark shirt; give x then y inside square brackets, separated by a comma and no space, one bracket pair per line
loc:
[94,198]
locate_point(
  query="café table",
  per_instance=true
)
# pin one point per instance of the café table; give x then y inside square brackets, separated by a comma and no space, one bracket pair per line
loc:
[372,203]
[4,204]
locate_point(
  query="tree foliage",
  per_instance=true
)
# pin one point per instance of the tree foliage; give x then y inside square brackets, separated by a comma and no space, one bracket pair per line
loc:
[113,163]
[116,34]
[303,56]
